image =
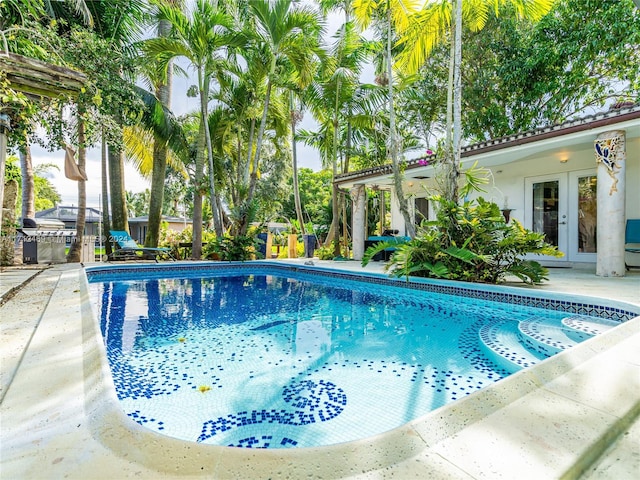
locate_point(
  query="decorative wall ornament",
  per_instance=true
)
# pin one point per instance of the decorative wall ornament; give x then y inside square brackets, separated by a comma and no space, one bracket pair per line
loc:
[609,153]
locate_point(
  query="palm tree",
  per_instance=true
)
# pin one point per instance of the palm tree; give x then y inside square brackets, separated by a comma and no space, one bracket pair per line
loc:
[162,87]
[75,250]
[334,100]
[287,35]
[396,16]
[79,6]
[201,40]
[118,23]
[28,187]
[296,116]
[426,29]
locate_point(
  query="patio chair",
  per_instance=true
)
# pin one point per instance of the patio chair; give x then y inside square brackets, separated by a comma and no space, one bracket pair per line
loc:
[632,239]
[130,250]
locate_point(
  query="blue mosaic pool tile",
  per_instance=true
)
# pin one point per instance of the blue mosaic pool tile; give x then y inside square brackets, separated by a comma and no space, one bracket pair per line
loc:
[311,394]
[307,399]
[601,311]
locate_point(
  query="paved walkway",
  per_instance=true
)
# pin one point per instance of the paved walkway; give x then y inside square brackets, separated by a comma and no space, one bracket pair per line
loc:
[552,421]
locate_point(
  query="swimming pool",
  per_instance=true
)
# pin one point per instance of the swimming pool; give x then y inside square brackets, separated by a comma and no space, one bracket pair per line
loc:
[273,372]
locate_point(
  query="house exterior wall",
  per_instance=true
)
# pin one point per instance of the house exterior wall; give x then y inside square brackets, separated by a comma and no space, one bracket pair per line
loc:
[508,181]
[138,227]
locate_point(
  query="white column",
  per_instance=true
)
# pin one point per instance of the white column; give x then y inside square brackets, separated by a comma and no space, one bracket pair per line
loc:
[611,159]
[397,220]
[358,220]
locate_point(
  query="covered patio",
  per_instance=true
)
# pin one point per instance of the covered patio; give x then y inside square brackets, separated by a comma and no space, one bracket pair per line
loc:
[576,182]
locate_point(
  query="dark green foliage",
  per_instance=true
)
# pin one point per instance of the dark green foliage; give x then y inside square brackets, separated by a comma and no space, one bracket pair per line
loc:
[315,196]
[12,170]
[469,242]
[230,249]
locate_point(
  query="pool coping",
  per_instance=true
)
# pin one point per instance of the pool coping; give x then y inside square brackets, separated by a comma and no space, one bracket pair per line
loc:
[598,381]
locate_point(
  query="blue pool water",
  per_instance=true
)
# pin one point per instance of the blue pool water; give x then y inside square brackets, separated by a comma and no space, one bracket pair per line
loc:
[278,359]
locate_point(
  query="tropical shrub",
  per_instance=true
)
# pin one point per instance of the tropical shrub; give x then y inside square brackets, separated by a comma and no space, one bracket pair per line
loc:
[325,252]
[471,242]
[172,238]
[238,248]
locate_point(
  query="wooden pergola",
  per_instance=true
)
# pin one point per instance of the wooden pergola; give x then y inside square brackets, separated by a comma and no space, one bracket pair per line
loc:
[37,80]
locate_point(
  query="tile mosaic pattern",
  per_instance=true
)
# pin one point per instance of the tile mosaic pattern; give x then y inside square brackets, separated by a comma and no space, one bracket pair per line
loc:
[585,309]
[258,357]
[310,402]
[546,339]
[589,326]
[502,344]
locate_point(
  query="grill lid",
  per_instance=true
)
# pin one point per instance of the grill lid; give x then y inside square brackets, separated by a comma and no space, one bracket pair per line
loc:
[45,227]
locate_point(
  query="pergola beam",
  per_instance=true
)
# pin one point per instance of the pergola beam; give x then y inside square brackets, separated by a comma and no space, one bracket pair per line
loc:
[34,78]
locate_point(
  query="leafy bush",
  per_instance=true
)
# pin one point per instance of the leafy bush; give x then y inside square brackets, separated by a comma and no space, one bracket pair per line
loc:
[325,252]
[228,248]
[172,238]
[470,242]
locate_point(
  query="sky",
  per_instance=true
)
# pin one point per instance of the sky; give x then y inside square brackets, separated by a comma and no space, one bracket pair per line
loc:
[307,156]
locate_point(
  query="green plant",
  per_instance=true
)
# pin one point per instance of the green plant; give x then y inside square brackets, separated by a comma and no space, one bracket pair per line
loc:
[292,227]
[324,252]
[228,248]
[469,242]
[173,238]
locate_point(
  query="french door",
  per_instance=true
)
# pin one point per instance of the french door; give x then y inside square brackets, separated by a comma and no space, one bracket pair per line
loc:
[564,207]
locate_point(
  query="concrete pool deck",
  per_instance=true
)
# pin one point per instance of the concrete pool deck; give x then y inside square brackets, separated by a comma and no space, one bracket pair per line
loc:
[574,415]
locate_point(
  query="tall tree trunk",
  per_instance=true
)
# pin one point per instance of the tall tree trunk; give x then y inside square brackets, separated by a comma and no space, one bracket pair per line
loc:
[160,153]
[76,247]
[253,181]
[106,220]
[5,125]
[457,101]
[119,215]
[156,196]
[398,177]
[448,150]
[334,230]
[196,249]
[247,166]
[294,161]
[28,184]
[204,98]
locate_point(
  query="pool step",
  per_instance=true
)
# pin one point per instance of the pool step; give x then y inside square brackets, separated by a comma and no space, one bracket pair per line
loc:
[546,339]
[515,345]
[501,342]
[581,328]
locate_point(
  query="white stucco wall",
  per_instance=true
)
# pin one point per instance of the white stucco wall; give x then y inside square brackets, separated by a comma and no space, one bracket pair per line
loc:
[508,180]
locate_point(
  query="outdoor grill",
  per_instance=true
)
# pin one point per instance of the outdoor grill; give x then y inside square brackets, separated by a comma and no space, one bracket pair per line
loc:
[44,240]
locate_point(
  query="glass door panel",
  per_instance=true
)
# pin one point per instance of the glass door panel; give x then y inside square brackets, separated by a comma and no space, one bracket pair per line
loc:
[587,214]
[583,212]
[546,212]
[545,209]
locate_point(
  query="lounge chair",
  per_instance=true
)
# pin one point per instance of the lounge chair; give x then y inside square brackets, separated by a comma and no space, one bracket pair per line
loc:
[632,239]
[130,250]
